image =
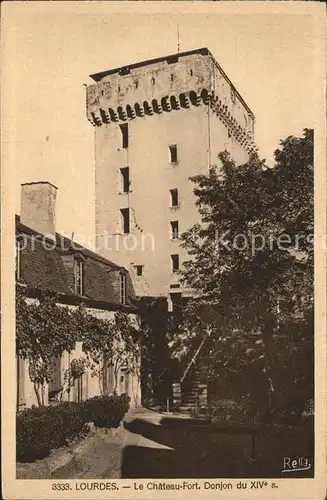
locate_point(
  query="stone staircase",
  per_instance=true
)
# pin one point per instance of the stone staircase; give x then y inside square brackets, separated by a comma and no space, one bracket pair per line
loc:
[193,392]
[190,393]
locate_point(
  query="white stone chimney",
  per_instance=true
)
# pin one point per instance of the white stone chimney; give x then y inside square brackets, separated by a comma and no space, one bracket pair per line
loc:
[38,206]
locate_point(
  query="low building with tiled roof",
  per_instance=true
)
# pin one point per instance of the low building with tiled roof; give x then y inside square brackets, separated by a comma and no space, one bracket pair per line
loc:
[49,261]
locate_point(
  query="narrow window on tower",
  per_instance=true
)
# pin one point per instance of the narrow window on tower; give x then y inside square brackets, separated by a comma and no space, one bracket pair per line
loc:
[174,229]
[124,132]
[173,153]
[125,220]
[125,179]
[174,262]
[139,270]
[174,197]
[122,278]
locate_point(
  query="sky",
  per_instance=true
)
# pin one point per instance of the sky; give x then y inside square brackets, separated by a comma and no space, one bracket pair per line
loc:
[49,51]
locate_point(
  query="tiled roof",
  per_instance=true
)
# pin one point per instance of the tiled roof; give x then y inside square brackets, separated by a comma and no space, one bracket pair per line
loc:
[98,283]
[63,241]
[43,269]
[53,269]
[68,243]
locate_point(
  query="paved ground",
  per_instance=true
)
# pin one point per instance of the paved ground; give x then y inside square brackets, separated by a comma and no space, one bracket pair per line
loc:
[102,454]
[154,445]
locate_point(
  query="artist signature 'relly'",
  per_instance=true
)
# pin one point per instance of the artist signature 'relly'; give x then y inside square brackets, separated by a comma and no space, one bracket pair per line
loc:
[296,464]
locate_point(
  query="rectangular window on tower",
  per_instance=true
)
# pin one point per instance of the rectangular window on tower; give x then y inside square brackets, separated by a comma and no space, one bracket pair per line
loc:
[125,220]
[124,132]
[139,270]
[174,197]
[125,179]
[174,262]
[174,229]
[173,153]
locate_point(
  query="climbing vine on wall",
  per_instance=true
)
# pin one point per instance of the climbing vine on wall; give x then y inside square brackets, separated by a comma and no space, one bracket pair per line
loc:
[111,343]
[45,330]
[126,346]
[77,368]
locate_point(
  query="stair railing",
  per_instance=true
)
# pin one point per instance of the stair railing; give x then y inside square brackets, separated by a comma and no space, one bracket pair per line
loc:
[197,352]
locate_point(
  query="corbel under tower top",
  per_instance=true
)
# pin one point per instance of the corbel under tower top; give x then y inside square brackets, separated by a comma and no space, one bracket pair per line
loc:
[167,84]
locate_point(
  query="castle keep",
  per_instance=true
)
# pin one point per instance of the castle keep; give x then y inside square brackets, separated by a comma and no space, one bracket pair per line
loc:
[157,123]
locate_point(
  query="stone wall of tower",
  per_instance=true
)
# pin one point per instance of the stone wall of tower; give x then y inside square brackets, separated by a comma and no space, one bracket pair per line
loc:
[152,177]
[187,102]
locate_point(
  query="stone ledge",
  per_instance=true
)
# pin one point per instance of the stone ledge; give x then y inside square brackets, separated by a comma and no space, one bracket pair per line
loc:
[44,467]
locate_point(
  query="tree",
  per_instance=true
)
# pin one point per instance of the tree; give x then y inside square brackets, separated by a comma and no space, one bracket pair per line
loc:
[251,257]
[109,344]
[126,346]
[43,331]
[96,336]
[77,368]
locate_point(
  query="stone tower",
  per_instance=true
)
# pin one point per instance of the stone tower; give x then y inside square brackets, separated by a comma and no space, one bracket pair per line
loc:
[157,123]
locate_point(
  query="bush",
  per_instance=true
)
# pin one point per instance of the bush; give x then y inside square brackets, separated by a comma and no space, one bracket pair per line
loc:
[69,421]
[107,411]
[226,410]
[39,430]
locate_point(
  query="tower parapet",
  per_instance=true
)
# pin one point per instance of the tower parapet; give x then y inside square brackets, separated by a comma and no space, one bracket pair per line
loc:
[166,85]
